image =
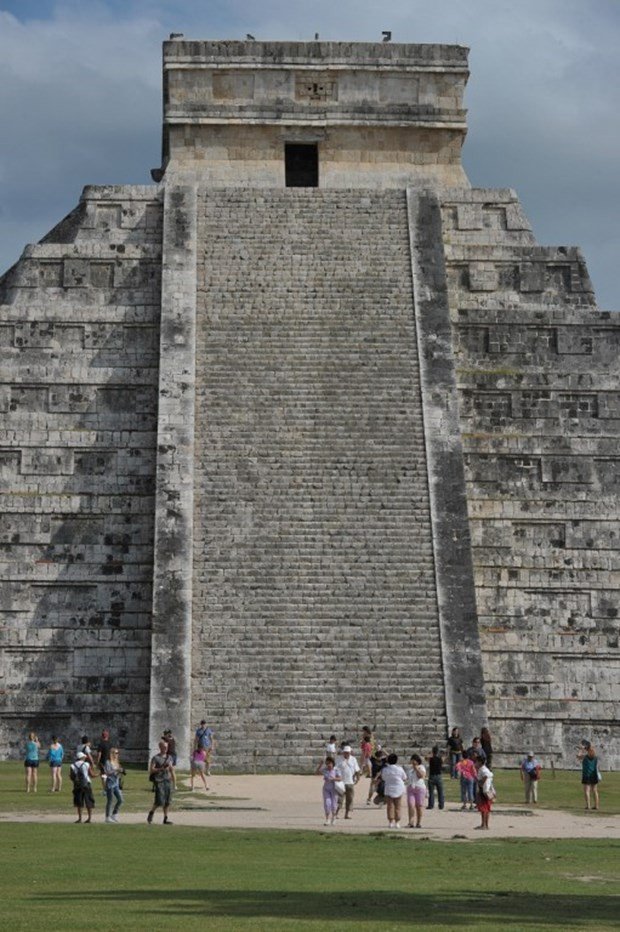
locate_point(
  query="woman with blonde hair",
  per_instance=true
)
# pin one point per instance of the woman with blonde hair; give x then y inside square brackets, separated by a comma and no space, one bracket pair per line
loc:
[31,762]
[112,773]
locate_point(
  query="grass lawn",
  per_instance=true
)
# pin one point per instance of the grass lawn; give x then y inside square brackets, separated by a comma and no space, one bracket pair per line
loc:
[151,877]
[143,877]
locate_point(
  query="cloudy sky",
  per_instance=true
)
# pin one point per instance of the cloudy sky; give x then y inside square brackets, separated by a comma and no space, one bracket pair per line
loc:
[80,100]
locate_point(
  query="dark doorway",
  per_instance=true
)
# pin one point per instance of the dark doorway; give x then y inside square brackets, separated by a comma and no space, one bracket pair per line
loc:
[302,165]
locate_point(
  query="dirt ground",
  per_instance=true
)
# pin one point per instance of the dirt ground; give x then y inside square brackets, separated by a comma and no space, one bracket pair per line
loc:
[294,802]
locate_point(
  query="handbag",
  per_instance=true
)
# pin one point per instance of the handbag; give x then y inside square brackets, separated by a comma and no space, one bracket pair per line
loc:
[339,787]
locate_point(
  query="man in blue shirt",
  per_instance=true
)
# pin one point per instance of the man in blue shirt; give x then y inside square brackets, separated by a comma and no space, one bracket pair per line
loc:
[205,739]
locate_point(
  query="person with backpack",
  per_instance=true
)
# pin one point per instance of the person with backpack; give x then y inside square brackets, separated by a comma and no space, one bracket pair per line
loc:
[160,775]
[81,777]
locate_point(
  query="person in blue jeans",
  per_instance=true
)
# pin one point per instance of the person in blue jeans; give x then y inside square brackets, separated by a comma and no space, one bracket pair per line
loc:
[112,771]
[435,780]
[466,770]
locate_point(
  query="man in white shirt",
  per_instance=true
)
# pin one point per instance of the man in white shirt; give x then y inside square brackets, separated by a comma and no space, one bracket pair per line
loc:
[350,770]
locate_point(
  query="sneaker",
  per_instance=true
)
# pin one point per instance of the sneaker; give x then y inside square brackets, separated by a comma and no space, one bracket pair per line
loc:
[114,818]
[326,822]
[167,822]
[397,825]
[149,818]
[391,825]
[109,819]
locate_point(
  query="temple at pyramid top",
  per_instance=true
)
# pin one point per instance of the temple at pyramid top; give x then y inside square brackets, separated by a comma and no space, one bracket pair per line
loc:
[314,114]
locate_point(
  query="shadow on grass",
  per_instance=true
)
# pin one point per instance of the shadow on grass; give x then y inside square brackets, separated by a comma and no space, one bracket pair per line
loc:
[518,910]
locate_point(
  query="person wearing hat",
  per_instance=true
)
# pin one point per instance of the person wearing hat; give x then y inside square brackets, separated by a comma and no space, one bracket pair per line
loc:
[350,772]
[80,774]
[530,775]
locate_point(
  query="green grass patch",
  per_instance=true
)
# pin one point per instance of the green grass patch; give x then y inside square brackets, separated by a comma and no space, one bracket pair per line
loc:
[153,877]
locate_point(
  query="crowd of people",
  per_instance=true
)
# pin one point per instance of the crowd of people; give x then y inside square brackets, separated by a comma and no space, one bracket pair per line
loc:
[417,784]
[102,762]
[420,782]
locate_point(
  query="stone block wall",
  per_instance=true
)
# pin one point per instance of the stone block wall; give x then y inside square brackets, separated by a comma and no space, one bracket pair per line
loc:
[315,604]
[540,415]
[79,329]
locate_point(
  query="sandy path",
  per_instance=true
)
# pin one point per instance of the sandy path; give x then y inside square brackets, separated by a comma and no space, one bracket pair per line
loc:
[294,802]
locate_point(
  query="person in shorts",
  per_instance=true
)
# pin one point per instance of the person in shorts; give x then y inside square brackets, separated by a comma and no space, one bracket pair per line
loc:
[81,777]
[198,765]
[416,791]
[205,739]
[31,762]
[160,770]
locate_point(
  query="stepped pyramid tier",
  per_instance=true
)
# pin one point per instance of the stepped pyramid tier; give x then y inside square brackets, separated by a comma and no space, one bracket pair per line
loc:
[308,434]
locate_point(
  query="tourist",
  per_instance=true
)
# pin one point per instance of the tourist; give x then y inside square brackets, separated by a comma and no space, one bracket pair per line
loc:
[486,745]
[455,748]
[485,791]
[377,763]
[160,774]
[350,770]
[102,755]
[171,741]
[198,765]
[112,772]
[466,770]
[55,755]
[590,776]
[435,779]
[85,749]
[416,791]
[475,749]
[395,785]
[81,777]
[102,751]
[31,762]
[331,748]
[530,775]
[205,738]
[331,777]
[366,749]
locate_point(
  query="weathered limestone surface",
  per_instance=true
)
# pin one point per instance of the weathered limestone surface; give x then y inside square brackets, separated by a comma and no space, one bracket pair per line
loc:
[381,115]
[172,572]
[314,582]
[539,388]
[79,328]
[302,458]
